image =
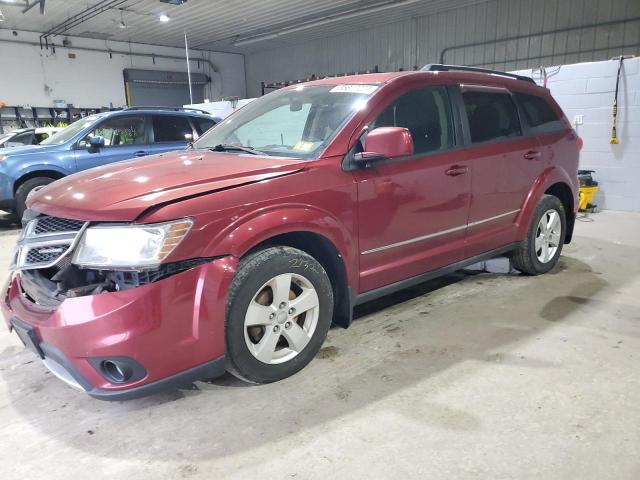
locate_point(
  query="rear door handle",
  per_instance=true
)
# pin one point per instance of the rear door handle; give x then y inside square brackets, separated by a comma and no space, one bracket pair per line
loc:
[532,155]
[140,153]
[456,170]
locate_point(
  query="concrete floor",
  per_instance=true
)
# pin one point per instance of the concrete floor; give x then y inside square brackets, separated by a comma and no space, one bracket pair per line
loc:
[471,376]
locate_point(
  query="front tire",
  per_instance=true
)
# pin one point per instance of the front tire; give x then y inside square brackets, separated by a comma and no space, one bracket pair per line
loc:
[23,191]
[540,250]
[279,311]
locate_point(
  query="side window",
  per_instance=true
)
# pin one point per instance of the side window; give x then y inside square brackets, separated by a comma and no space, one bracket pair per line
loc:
[170,128]
[492,116]
[41,136]
[23,139]
[203,124]
[118,131]
[426,113]
[539,115]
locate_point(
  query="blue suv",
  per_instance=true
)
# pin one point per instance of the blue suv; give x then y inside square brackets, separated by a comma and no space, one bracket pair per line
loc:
[93,141]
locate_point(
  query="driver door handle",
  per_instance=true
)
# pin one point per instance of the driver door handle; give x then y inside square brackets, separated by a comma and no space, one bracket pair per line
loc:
[456,170]
[532,155]
[140,153]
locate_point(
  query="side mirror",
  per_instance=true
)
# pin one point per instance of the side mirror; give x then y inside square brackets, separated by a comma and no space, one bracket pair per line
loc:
[384,143]
[96,142]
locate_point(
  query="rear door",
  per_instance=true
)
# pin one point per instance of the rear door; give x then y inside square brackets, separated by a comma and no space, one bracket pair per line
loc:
[504,164]
[170,132]
[124,136]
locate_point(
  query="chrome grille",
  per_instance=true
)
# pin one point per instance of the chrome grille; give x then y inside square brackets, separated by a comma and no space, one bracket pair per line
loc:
[45,225]
[46,241]
[46,254]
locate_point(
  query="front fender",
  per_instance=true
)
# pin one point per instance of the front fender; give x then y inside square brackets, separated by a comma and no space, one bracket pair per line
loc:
[251,230]
[547,178]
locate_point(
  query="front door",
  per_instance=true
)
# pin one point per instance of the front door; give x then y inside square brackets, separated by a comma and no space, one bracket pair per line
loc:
[124,138]
[412,211]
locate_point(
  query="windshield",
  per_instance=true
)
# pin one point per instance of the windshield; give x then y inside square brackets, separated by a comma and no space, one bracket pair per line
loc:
[290,122]
[66,134]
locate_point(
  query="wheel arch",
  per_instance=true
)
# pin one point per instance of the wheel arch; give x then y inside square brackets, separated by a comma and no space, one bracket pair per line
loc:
[327,254]
[553,181]
[55,174]
[563,192]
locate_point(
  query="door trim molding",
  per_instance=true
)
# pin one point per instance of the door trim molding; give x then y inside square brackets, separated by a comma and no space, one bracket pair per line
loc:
[430,275]
[438,234]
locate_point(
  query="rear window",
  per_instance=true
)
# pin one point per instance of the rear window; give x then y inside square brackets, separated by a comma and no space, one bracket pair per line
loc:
[170,128]
[537,113]
[492,116]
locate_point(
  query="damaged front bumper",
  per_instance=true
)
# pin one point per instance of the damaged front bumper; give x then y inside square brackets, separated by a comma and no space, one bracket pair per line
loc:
[124,344]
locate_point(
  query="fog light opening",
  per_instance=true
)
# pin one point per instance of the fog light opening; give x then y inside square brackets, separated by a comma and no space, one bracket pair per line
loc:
[115,371]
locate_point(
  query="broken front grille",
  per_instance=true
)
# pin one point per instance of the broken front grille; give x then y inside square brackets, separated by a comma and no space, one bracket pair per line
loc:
[45,241]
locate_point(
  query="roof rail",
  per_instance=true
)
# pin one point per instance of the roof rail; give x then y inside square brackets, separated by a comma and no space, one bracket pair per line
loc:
[174,109]
[437,67]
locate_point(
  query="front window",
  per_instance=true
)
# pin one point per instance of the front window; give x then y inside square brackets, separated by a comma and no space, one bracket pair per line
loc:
[66,134]
[117,131]
[295,122]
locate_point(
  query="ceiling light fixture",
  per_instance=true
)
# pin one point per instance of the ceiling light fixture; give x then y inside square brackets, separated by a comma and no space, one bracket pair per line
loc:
[164,18]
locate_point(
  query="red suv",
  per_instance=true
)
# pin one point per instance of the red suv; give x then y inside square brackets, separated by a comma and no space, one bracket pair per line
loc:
[240,252]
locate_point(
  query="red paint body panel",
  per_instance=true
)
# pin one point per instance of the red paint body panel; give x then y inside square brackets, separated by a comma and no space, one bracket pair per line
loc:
[168,326]
[389,222]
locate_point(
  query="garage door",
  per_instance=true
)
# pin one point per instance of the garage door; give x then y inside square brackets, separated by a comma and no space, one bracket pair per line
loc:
[158,88]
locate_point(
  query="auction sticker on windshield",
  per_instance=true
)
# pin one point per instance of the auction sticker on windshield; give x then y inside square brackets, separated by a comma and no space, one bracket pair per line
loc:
[368,89]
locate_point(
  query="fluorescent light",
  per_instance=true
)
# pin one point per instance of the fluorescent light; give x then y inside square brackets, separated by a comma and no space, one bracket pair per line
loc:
[355,12]
[164,18]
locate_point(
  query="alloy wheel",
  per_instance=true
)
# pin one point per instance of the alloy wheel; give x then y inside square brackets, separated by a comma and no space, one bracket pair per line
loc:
[281,318]
[548,236]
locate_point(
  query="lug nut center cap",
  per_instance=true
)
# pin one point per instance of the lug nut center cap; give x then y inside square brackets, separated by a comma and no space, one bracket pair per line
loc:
[281,317]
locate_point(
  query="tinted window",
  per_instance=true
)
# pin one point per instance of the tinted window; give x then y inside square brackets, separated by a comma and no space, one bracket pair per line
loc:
[426,113]
[203,124]
[537,112]
[23,139]
[169,128]
[491,116]
[117,131]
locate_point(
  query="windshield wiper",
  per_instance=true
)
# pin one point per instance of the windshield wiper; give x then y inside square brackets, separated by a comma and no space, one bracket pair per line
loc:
[224,147]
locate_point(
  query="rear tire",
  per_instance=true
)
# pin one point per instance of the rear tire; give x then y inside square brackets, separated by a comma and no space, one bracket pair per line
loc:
[540,250]
[279,311]
[25,189]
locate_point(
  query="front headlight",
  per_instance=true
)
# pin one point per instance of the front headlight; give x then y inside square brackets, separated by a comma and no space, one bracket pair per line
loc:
[129,246]
[2,157]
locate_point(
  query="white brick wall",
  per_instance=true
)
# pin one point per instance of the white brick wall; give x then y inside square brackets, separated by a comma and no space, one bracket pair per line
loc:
[587,89]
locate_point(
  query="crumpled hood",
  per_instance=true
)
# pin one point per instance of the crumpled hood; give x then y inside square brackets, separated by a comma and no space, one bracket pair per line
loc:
[122,191]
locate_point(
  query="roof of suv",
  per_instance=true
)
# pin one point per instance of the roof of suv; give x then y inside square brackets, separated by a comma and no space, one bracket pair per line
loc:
[476,78]
[151,110]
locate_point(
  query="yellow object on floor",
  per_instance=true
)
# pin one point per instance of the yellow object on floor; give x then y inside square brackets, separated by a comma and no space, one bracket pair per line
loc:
[585,196]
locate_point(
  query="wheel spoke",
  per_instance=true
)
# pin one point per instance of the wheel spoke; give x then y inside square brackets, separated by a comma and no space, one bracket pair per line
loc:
[296,336]
[539,243]
[307,300]
[543,225]
[545,252]
[554,222]
[554,239]
[265,349]
[280,286]
[258,314]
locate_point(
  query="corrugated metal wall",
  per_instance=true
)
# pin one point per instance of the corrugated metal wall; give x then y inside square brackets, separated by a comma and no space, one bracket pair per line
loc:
[422,40]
